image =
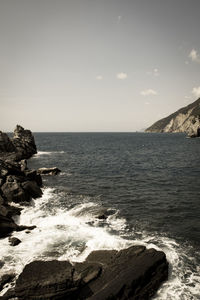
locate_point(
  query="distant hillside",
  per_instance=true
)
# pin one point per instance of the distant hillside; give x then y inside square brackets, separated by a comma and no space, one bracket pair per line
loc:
[186,119]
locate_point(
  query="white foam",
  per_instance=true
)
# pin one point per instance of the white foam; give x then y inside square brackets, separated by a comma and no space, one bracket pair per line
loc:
[183,283]
[62,234]
[41,153]
[71,234]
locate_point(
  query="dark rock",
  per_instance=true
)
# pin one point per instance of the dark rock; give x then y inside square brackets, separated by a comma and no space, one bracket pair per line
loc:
[24,227]
[6,279]
[54,279]
[24,142]
[14,192]
[32,189]
[133,273]
[7,225]
[33,175]
[49,171]
[6,144]
[8,167]
[1,264]
[14,241]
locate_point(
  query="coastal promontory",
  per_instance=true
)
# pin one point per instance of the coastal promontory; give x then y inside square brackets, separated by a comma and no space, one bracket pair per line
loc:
[186,119]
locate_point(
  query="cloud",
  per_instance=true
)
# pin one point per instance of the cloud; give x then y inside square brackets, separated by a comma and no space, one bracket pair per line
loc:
[99,77]
[194,56]
[119,18]
[196,91]
[154,72]
[122,75]
[148,92]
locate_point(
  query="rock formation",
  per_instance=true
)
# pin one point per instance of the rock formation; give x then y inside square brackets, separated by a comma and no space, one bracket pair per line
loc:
[48,171]
[186,119]
[133,273]
[17,183]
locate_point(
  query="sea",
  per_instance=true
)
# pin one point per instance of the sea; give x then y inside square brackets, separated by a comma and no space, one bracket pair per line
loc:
[115,190]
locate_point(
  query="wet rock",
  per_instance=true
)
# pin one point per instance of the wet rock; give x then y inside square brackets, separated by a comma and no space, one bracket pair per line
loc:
[33,175]
[31,189]
[7,225]
[24,227]
[6,279]
[133,273]
[49,171]
[54,279]
[13,241]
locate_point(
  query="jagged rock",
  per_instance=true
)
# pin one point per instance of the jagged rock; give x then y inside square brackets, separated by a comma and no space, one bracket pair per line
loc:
[17,183]
[9,168]
[49,171]
[14,241]
[6,279]
[33,175]
[6,144]
[14,192]
[133,273]
[24,142]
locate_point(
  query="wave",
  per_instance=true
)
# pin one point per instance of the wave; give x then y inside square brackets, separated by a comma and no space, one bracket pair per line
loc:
[41,153]
[72,233]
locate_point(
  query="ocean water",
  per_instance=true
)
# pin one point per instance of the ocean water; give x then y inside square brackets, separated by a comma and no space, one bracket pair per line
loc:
[147,185]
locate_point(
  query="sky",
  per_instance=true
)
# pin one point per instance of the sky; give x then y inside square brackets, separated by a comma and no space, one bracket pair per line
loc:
[96,65]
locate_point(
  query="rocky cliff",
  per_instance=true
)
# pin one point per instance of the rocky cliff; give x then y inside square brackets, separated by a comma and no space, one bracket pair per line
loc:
[186,119]
[17,183]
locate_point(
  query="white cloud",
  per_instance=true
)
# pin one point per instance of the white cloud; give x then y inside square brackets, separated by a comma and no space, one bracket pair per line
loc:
[154,72]
[196,91]
[194,56]
[119,18]
[122,75]
[99,77]
[148,92]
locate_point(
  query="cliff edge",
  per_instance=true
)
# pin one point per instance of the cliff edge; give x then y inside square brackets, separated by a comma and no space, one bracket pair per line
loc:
[186,119]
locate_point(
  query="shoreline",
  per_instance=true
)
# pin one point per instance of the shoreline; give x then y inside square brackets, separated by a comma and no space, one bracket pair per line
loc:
[151,265]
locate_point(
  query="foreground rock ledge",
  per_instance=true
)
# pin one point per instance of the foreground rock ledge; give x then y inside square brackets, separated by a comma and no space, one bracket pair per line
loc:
[133,273]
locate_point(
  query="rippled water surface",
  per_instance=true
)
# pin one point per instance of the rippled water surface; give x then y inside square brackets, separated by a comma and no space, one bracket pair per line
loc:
[148,185]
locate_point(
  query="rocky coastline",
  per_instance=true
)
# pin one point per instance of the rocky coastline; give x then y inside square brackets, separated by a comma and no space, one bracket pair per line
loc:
[133,273]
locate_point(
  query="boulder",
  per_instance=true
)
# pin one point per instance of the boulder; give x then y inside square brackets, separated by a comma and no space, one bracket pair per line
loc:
[13,241]
[133,273]
[49,171]
[31,189]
